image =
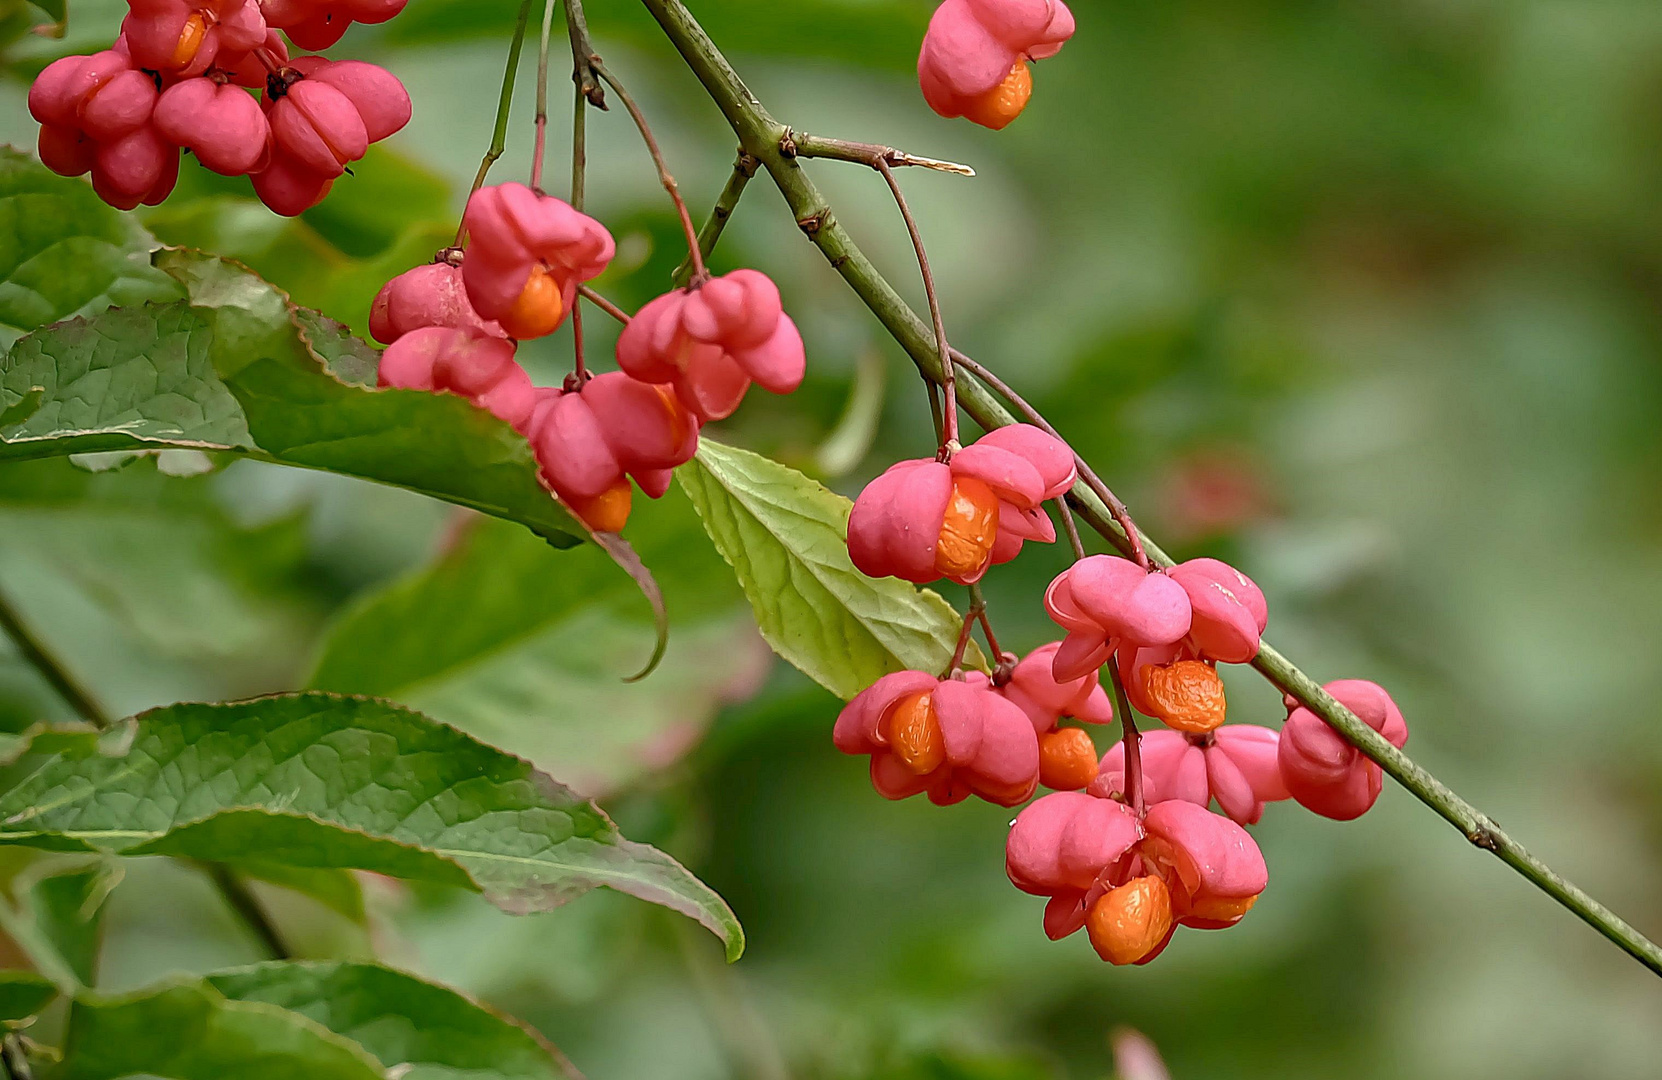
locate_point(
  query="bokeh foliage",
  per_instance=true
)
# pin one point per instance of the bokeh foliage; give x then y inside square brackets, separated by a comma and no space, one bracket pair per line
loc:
[1363,296]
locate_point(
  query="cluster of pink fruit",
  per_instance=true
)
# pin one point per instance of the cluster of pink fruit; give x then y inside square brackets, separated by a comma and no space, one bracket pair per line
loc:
[687,358]
[179,78]
[1127,850]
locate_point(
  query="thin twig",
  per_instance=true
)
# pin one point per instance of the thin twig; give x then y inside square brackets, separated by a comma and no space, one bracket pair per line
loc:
[699,273]
[542,96]
[504,105]
[1071,527]
[583,56]
[974,612]
[243,901]
[978,604]
[603,304]
[949,388]
[57,676]
[862,153]
[1086,473]
[1133,740]
[579,191]
[743,169]
[759,133]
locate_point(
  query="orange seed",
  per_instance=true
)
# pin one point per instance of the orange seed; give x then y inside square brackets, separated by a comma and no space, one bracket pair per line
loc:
[190,39]
[968,529]
[1004,102]
[1221,909]
[1129,922]
[914,734]
[1186,695]
[607,512]
[538,310]
[1067,759]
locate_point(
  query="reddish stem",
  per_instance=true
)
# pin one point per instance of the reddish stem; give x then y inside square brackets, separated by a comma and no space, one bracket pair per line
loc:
[1132,739]
[700,274]
[949,383]
[603,304]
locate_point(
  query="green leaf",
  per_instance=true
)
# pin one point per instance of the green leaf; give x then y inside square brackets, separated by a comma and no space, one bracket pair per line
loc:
[240,369]
[187,1030]
[58,917]
[338,890]
[64,252]
[72,738]
[786,538]
[527,648]
[318,780]
[292,255]
[23,994]
[404,1021]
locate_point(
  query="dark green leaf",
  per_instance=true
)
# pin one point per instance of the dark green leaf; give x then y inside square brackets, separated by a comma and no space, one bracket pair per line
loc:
[187,1030]
[239,369]
[402,1020]
[324,781]
[786,539]
[527,648]
[64,252]
[23,994]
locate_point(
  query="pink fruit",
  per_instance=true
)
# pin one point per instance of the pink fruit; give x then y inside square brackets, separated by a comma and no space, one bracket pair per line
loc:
[1235,765]
[430,295]
[974,58]
[187,37]
[219,123]
[1082,851]
[1324,772]
[318,24]
[527,254]
[711,341]
[923,520]
[463,361]
[590,441]
[949,738]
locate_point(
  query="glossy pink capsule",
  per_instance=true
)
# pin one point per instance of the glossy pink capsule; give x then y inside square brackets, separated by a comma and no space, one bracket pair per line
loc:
[711,342]
[948,738]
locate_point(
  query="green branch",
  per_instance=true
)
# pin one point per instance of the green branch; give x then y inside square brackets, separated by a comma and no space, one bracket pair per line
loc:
[761,136]
[743,169]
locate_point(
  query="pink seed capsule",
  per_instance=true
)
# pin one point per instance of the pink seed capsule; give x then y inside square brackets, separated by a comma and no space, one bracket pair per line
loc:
[219,123]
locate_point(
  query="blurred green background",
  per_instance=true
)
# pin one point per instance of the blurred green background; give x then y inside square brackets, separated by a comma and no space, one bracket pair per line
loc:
[1366,296]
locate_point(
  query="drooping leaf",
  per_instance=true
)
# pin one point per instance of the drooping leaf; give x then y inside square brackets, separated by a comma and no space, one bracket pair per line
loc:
[527,648]
[434,1032]
[64,252]
[786,538]
[239,369]
[24,993]
[185,1029]
[319,780]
